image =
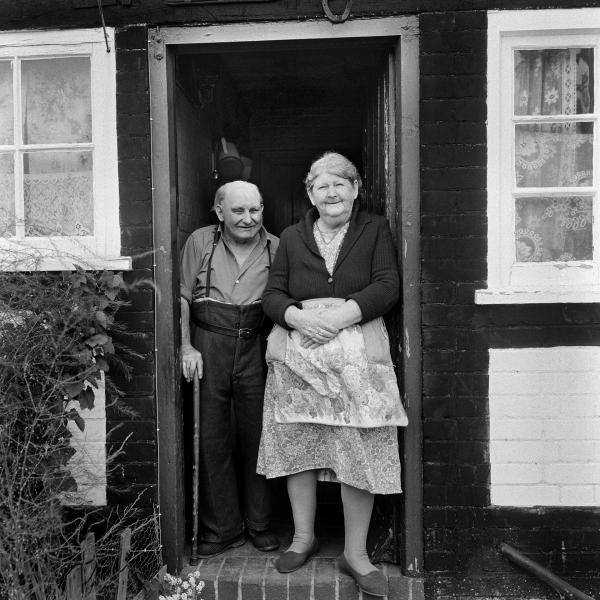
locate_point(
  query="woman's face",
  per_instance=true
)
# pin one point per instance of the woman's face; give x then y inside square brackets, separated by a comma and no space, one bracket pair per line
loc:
[333,196]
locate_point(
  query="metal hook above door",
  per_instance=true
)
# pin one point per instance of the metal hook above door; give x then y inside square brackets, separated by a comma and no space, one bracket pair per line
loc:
[332,16]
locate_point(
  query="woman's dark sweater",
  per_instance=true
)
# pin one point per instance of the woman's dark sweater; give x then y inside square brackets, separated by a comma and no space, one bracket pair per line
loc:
[366,270]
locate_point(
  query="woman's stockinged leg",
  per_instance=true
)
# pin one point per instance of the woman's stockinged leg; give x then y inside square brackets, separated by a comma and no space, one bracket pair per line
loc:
[358,506]
[302,490]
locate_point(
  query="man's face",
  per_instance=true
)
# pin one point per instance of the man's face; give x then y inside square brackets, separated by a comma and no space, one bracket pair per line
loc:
[241,214]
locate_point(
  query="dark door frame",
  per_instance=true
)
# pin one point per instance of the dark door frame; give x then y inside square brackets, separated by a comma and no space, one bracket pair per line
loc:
[162,44]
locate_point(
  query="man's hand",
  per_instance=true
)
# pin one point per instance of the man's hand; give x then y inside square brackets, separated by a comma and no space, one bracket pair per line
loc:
[191,361]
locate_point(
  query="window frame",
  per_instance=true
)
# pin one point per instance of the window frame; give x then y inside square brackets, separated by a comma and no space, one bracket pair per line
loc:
[102,250]
[526,283]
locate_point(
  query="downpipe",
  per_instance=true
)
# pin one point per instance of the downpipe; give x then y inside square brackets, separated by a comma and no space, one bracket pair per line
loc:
[560,585]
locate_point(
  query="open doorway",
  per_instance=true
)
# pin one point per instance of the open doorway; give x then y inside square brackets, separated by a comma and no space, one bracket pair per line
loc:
[281,105]
[283,93]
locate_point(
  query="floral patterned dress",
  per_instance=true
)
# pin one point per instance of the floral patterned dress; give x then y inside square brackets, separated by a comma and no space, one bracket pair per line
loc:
[365,458]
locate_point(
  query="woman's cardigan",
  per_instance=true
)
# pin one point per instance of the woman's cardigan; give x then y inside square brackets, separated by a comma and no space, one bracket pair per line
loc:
[366,270]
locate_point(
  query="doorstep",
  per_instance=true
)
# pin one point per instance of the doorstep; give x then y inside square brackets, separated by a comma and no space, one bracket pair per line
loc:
[245,574]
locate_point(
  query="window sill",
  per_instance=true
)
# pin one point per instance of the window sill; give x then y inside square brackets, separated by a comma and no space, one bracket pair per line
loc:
[551,296]
[119,263]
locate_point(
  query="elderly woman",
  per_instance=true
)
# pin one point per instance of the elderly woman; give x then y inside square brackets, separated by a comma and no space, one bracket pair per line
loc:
[331,400]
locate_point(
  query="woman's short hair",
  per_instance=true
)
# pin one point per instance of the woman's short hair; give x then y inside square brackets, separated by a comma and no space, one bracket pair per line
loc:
[241,186]
[336,164]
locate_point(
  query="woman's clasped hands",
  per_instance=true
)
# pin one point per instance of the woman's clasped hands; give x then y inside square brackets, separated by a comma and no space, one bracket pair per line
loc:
[316,327]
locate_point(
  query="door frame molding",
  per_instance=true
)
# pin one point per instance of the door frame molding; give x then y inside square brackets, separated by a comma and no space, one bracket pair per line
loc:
[162,43]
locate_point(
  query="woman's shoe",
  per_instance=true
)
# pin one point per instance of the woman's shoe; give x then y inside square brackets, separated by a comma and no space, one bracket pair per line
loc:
[292,561]
[374,583]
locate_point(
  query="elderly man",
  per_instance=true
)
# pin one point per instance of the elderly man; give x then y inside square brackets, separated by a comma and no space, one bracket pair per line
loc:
[224,270]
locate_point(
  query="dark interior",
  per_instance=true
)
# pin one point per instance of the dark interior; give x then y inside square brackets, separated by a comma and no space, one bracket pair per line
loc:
[282,104]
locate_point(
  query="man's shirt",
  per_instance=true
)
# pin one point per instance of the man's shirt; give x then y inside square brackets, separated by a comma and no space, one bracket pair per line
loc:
[229,282]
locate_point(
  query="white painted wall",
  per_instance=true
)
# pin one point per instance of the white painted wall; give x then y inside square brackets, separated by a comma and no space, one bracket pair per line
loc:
[545,426]
[88,464]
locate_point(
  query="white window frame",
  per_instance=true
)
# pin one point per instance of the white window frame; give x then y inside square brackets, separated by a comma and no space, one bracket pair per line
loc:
[102,250]
[532,283]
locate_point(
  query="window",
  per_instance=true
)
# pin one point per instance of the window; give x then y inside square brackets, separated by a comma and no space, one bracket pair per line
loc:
[59,201]
[543,175]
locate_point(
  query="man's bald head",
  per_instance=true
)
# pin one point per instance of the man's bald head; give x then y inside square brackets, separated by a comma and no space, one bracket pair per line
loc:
[240,189]
[239,207]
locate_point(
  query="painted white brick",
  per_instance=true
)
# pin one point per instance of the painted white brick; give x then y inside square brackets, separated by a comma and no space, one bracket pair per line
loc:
[579,452]
[566,382]
[513,383]
[578,358]
[577,495]
[86,495]
[515,429]
[525,495]
[583,405]
[88,464]
[572,473]
[569,429]
[522,452]
[524,406]
[516,473]
[545,419]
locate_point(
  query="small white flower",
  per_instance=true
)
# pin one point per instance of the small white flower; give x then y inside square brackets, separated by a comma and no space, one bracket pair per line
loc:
[551,96]
[185,585]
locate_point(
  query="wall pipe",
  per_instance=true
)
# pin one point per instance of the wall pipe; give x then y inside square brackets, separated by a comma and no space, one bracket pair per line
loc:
[560,585]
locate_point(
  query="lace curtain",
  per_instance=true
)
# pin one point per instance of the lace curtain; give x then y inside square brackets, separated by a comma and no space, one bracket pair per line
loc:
[6,103]
[57,184]
[554,154]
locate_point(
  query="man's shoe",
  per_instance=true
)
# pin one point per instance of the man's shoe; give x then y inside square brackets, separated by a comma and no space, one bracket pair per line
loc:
[292,561]
[206,549]
[265,541]
[374,583]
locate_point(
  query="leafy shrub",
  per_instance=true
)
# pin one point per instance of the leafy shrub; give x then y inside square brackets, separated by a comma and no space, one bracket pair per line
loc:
[56,343]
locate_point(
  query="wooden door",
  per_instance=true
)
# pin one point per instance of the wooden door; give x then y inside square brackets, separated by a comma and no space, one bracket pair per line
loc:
[380,179]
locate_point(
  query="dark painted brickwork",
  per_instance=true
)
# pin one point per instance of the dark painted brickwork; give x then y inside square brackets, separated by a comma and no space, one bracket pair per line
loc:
[17,14]
[135,469]
[462,532]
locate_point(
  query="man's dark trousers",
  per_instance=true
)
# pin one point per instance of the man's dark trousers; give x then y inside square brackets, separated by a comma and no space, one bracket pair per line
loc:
[233,379]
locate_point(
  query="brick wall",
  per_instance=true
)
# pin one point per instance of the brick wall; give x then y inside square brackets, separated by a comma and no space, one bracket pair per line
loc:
[453,227]
[463,529]
[136,471]
[545,426]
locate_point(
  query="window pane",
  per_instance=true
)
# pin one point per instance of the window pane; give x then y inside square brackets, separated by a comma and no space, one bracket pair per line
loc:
[6,103]
[554,229]
[554,82]
[57,103]
[58,193]
[556,154]
[7,195]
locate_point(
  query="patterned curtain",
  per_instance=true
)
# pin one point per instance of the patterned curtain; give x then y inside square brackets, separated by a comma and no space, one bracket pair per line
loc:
[553,154]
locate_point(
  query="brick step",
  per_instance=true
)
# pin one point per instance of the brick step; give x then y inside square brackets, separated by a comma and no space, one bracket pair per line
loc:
[235,577]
